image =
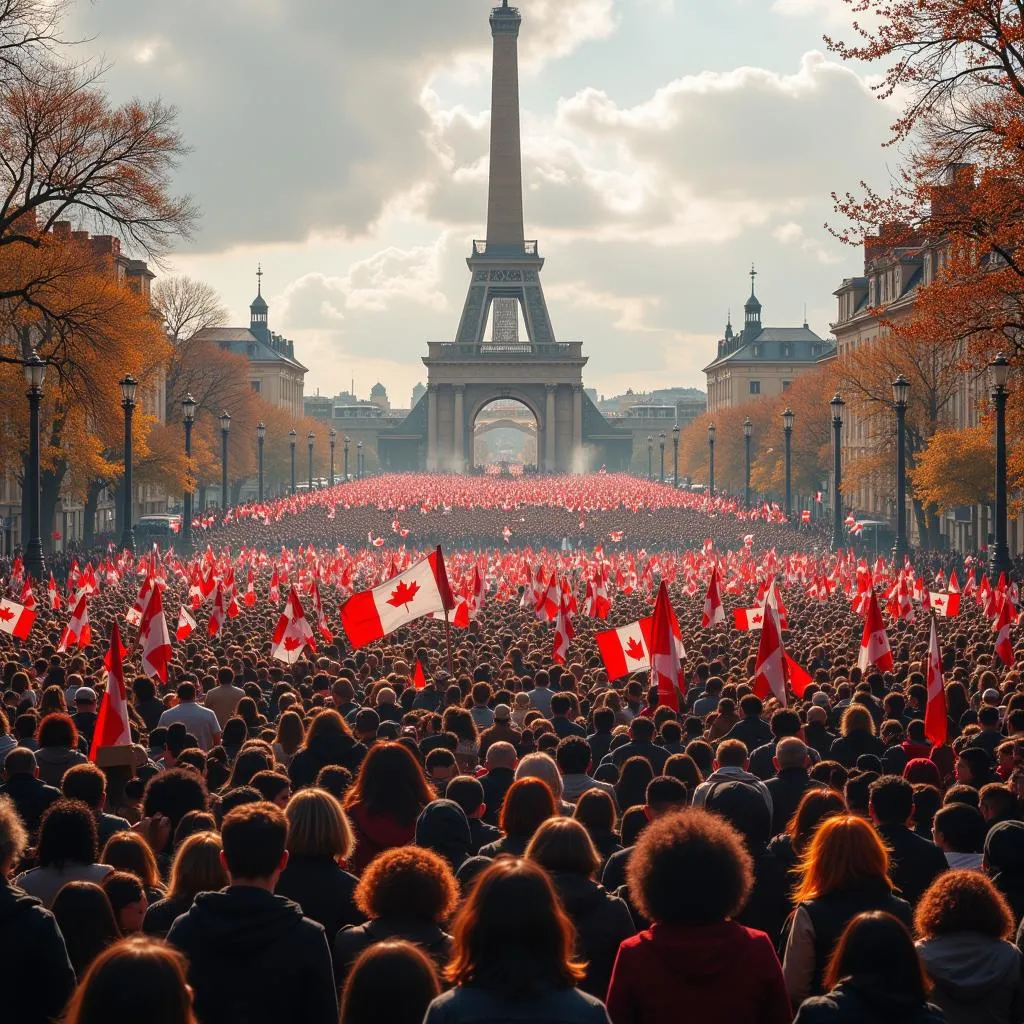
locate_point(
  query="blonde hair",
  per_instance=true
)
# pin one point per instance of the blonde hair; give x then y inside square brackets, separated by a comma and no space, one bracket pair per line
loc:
[197,867]
[856,718]
[317,826]
[13,835]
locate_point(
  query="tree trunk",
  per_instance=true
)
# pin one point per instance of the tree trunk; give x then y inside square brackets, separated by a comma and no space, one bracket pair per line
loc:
[236,491]
[934,536]
[922,523]
[202,498]
[49,496]
[92,499]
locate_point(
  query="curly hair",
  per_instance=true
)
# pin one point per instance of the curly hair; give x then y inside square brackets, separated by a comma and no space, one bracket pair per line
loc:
[690,844]
[57,730]
[963,901]
[408,882]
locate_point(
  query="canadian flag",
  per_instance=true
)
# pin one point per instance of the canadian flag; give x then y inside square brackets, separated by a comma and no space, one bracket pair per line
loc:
[53,594]
[419,680]
[249,600]
[15,619]
[626,649]
[874,643]
[665,670]
[78,632]
[770,666]
[217,613]
[1002,627]
[745,619]
[155,640]
[546,608]
[321,617]
[134,614]
[275,588]
[935,718]
[805,516]
[564,632]
[186,625]
[112,728]
[615,536]
[714,611]
[292,633]
[946,605]
[420,590]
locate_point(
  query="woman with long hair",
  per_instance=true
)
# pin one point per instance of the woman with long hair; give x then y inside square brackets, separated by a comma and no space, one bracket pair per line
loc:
[250,760]
[631,788]
[137,978]
[856,737]
[965,938]
[527,805]
[395,976]
[86,920]
[460,722]
[595,811]
[128,851]
[328,740]
[58,748]
[289,737]
[513,955]
[197,868]
[384,802]
[873,977]
[844,872]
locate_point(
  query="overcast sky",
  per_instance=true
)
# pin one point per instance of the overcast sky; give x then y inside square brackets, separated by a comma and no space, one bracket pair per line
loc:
[668,144]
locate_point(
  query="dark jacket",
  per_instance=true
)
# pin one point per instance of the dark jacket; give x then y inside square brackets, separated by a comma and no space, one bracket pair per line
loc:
[36,976]
[787,790]
[31,797]
[752,730]
[254,959]
[480,834]
[607,844]
[150,711]
[307,762]
[915,861]
[602,922]
[657,756]
[513,846]
[55,761]
[866,1001]
[476,1005]
[761,760]
[614,873]
[323,890]
[496,783]
[1004,858]
[444,828]
[352,941]
[818,737]
[374,834]
[600,742]
[163,913]
[847,749]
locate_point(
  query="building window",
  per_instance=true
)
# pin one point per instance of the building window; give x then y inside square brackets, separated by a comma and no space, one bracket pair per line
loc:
[755,387]
[756,350]
[785,385]
[785,350]
[256,385]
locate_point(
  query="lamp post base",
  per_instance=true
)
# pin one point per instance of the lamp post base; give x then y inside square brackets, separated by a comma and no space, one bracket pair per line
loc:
[999,562]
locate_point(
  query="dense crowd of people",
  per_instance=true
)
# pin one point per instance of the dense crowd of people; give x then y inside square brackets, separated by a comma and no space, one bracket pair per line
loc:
[513,838]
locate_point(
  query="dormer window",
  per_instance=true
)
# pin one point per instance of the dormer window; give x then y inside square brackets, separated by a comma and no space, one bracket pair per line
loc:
[756,350]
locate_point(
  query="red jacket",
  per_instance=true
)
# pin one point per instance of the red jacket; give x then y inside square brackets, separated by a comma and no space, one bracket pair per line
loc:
[716,974]
[375,834]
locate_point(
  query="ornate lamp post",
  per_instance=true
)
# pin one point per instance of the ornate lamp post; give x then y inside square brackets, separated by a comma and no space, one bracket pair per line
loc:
[225,428]
[348,441]
[291,441]
[999,375]
[261,437]
[837,405]
[128,388]
[661,445]
[310,439]
[332,435]
[900,395]
[675,455]
[787,428]
[748,430]
[188,416]
[711,459]
[35,374]
[650,457]
[360,464]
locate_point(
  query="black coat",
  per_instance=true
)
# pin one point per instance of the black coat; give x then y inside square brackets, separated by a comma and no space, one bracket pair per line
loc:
[787,790]
[480,834]
[915,862]
[31,798]
[866,1002]
[350,942]
[36,976]
[162,914]
[657,756]
[614,873]
[753,731]
[307,762]
[254,959]
[847,749]
[496,783]
[818,737]
[602,922]
[323,890]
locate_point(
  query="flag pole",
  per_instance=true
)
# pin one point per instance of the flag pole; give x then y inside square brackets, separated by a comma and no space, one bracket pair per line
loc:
[448,642]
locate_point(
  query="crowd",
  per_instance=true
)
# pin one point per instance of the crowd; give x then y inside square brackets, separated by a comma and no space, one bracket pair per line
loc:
[514,839]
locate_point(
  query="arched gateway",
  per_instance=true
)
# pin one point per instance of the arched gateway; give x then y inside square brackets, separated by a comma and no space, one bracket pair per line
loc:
[505,347]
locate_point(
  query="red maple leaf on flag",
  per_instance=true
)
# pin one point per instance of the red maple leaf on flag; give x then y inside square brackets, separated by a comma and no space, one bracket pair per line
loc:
[757,619]
[635,649]
[403,594]
[6,614]
[292,643]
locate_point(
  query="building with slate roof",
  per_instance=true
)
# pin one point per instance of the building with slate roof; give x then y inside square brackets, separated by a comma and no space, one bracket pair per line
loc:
[274,372]
[761,360]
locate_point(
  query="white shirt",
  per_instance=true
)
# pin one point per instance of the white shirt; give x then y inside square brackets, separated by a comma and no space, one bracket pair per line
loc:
[199,721]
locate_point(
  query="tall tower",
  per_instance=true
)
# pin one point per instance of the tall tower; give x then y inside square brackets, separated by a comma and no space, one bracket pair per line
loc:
[258,312]
[751,312]
[505,266]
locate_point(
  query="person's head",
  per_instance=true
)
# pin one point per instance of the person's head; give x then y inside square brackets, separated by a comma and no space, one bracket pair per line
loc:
[172,794]
[891,800]
[86,920]
[815,806]
[111,987]
[527,804]
[573,755]
[511,935]
[392,974]
[731,754]
[128,900]
[541,766]
[13,837]
[290,732]
[128,851]
[254,837]
[197,867]
[959,828]
[997,802]
[500,755]
[408,883]
[692,843]
[663,795]
[973,767]
[857,718]
[563,846]
[845,853]
[67,835]
[441,766]
[57,730]
[318,827]
[877,947]
[467,792]
[87,783]
[963,901]
[790,752]
[751,706]
[595,811]
[390,782]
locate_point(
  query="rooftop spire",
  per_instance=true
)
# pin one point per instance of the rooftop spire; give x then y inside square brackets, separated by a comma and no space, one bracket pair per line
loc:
[753,274]
[259,278]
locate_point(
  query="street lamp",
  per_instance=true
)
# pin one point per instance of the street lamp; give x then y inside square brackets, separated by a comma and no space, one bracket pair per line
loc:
[675,455]
[787,427]
[650,457]
[748,430]
[188,416]
[999,375]
[35,374]
[661,444]
[900,395]
[837,405]
[348,441]
[359,460]
[711,459]
[291,441]
[128,388]
[261,437]
[332,434]
[310,438]
[225,427]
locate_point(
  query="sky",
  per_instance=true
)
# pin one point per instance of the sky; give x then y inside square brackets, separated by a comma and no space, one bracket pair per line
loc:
[667,145]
